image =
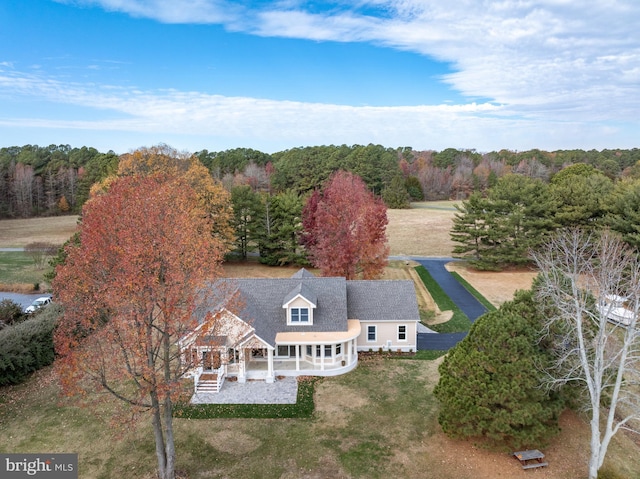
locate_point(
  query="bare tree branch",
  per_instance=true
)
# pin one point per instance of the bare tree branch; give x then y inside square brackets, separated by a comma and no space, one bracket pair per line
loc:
[581,276]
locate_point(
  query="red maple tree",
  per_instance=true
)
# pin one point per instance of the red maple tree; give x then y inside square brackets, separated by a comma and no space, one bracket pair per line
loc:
[345,229]
[129,289]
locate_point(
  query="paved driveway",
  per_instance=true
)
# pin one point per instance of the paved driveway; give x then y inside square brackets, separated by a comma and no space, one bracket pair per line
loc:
[458,294]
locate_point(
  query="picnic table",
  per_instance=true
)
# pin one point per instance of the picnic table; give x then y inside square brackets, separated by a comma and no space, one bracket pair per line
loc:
[531,455]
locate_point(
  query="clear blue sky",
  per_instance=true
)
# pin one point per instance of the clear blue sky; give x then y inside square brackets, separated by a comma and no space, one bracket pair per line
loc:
[217,74]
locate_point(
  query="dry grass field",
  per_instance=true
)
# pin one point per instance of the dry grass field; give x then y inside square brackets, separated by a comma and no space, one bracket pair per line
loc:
[19,233]
[422,230]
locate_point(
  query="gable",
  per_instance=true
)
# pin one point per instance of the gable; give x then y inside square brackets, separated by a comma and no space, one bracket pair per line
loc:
[224,328]
[263,300]
[301,291]
[254,342]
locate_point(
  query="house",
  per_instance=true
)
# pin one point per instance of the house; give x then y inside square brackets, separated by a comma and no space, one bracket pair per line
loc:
[302,325]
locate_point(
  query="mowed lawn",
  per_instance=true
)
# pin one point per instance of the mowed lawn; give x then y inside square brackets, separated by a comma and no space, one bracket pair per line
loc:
[373,423]
[18,272]
[378,421]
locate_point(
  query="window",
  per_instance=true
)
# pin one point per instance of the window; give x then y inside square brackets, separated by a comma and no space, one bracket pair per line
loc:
[299,315]
[402,332]
[286,351]
[371,333]
[327,350]
[309,350]
[338,349]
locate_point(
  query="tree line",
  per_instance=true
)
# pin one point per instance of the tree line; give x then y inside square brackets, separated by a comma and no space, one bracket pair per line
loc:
[500,228]
[56,179]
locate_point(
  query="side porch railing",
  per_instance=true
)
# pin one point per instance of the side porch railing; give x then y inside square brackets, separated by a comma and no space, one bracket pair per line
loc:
[209,380]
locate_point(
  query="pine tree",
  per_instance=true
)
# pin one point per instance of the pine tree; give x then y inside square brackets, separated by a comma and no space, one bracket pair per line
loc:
[280,244]
[395,195]
[624,212]
[490,382]
[248,218]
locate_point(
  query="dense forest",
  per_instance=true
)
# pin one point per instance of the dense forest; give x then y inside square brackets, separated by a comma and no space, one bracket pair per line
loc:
[56,179]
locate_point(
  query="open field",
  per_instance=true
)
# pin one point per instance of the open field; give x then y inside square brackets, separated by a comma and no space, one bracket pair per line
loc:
[53,229]
[422,230]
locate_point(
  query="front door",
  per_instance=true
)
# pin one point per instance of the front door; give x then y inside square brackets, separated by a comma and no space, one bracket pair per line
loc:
[211,360]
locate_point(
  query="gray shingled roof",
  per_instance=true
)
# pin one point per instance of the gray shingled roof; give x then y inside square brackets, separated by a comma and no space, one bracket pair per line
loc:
[336,300]
[303,290]
[303,273]
[264,298]
[376,300]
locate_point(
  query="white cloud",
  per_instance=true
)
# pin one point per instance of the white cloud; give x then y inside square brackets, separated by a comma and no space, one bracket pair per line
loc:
[169,11]
[195,120]
[555,73]
[564,57]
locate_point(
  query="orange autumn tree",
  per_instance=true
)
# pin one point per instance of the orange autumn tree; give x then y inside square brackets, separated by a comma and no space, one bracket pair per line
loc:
[345,229]
[213,197]
[129,290]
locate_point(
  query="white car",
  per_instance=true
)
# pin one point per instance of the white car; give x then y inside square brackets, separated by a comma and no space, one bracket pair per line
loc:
[37,304]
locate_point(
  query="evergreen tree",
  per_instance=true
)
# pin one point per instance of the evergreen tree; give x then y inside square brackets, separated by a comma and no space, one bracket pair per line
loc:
[471,229]
[248,214]
[524,211]
[490,382]
[499,230]
[412,183]
[581,192]
[624,212]
[395,195]
[280,242]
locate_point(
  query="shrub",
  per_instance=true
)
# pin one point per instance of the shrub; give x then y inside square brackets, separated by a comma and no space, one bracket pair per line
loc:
[27,346]
[40,251]
[10,313]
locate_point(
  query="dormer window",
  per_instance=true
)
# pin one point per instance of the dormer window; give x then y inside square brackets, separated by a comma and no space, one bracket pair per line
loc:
[300,315]
[299,305]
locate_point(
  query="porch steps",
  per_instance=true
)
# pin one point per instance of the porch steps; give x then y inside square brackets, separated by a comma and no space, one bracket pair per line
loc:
[209,383]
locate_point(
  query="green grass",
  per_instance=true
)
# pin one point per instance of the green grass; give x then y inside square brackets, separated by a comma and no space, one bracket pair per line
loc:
[366,424]
[428,355]
[484,301]
[16,267]
[459,321]
[378,421]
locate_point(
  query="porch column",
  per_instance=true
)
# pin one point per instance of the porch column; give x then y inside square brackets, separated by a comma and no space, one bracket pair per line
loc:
[241,367]
[224,360]
[322,357]
[349,347]
[298,353]
[269,365]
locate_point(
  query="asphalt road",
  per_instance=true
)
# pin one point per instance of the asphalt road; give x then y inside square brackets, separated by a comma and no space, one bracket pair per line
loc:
[458,294]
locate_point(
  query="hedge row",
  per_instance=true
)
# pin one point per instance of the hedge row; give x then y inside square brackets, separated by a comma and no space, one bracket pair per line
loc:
[303,408]
[27,346]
